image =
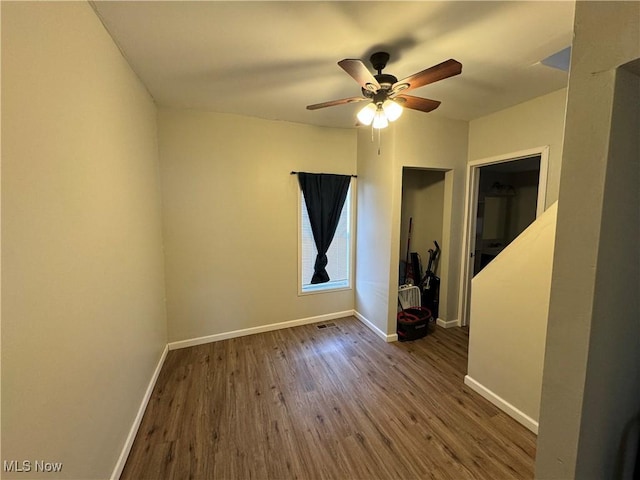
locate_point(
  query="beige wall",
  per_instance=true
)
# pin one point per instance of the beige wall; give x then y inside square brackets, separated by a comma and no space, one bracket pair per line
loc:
[83,319]
[531,124]
[509,306]
[428,141]
[591,382]
[421,141]
[610,410]
[231,219]
[373,248]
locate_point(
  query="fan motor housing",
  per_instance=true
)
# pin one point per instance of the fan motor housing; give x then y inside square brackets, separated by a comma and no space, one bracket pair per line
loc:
[379,60]
[385,80]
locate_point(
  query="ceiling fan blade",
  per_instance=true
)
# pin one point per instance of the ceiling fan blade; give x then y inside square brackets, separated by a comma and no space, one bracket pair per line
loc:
[441,71]
[417,103]
[331,103]
[360,73]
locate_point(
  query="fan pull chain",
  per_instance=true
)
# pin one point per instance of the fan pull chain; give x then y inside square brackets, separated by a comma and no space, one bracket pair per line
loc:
[373,137]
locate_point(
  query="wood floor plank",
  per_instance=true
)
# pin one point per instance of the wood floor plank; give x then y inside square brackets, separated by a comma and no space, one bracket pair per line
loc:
[335,403]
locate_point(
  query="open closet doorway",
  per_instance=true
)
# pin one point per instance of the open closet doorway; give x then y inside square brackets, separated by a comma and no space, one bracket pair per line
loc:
[504,196]
[423,224]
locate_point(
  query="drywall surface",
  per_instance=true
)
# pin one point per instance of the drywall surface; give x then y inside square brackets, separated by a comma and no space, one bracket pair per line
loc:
[509,308]
[591,381]
[419,141]
[611,410]
[373,246]
[426,141]
[231,219]
[83,319]
[531,124]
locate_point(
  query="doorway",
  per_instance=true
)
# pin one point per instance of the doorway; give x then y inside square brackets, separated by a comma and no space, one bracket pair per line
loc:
[423,222]
[504,196]
[506,205]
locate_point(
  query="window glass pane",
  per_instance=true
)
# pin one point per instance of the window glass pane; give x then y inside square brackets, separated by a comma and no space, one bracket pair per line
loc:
[339,262]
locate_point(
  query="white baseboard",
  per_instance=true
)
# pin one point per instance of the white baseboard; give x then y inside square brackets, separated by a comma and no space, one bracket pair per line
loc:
[376,330]
[502,404]
[126,449]
[122,460]
[447,323]
[263,328]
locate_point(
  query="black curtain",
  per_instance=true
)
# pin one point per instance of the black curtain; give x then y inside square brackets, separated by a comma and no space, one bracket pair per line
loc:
[324,196]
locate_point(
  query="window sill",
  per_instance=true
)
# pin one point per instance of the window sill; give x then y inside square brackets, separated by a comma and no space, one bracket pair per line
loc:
[317,290]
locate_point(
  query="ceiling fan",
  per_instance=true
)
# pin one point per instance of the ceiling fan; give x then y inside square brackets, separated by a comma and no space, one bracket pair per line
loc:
[386,93]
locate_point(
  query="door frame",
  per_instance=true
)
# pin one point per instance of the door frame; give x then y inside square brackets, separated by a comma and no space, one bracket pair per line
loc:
[471,205]
[445,266]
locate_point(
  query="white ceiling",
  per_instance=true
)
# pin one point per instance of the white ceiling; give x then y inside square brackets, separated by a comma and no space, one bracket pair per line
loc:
[271,59]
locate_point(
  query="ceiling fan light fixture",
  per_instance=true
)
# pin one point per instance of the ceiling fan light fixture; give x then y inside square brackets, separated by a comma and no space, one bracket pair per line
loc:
[392,110]
[380,119]
[367,114]
[381,91]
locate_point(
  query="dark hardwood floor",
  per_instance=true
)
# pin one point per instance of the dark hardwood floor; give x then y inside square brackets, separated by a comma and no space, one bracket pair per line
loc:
[332,403]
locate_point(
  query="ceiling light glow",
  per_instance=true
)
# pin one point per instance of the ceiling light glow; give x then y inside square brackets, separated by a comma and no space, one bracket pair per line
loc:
[380,114]
[380,120]
[392,110]
[365,116]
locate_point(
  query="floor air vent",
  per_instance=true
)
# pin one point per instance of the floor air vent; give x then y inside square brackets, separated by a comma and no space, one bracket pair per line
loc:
[325,325]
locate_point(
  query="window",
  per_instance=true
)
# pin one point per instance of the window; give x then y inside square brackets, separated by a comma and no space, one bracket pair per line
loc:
[338,255]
